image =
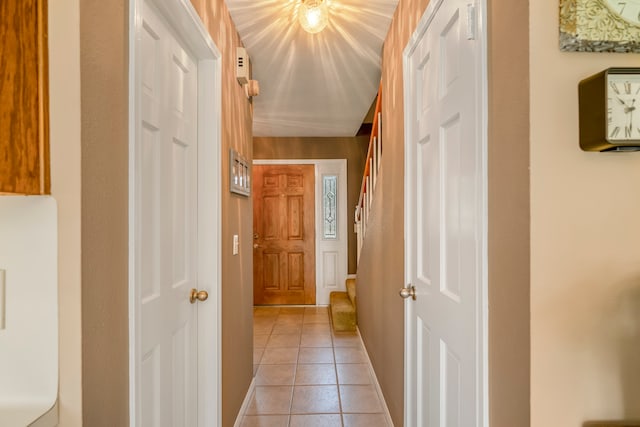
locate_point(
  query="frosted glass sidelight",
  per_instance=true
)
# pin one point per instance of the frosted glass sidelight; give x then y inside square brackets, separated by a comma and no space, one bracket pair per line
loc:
[330,206]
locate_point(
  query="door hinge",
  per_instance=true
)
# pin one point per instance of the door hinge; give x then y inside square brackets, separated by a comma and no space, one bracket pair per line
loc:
[472,22]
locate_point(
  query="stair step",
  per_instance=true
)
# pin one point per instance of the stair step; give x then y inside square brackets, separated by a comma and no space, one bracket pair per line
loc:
[343,308]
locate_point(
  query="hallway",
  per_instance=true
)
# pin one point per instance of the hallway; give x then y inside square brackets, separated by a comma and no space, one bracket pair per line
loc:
[308,375]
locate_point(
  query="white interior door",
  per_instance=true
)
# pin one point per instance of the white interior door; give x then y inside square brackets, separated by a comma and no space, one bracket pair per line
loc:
[444,220]
[166,219]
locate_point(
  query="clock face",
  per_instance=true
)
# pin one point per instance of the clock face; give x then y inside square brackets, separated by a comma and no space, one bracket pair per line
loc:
[627,9]
[623,102]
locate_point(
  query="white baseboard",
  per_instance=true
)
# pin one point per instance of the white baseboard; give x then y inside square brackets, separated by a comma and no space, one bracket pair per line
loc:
[387,415]
[245,403]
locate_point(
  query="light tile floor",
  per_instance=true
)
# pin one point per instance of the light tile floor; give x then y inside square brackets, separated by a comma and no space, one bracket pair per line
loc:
[307,375]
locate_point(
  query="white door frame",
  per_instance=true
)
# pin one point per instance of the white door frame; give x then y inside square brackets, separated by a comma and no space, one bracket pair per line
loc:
[325,249]
[188,25]
[409,127]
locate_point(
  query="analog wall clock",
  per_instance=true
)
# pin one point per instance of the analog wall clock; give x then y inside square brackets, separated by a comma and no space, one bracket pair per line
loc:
[600,25]
[609,110]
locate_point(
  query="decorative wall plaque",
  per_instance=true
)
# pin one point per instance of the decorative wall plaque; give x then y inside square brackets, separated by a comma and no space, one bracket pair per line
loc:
[239,174]
[600,25]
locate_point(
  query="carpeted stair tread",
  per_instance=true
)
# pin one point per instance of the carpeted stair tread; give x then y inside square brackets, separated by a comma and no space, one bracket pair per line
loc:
[343,308]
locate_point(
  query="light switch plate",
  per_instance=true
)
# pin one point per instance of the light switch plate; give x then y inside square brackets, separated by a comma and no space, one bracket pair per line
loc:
[236,244]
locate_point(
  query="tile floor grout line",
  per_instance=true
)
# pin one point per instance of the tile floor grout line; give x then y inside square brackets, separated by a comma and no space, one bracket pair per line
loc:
[295,374]
[335,366]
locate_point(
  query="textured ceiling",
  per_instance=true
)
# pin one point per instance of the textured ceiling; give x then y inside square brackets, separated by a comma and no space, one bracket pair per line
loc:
[313,84]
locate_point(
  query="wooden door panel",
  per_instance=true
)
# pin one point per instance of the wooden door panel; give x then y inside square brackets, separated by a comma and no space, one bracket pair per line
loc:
[295,182]
[294,218]
[271,215]
[284,234]
[295,262]
[270,182]
[271,277]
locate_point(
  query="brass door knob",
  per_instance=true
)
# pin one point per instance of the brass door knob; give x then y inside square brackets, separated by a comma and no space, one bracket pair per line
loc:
[198,295]
[409,291]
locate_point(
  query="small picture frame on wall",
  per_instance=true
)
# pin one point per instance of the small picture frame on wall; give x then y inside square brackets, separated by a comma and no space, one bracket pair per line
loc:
[239,174]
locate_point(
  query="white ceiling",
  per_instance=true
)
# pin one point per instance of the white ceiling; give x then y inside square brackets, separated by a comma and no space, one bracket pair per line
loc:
[313,84]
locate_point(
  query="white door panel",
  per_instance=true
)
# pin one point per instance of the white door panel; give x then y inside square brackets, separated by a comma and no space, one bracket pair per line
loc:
[444,222]
[167,223]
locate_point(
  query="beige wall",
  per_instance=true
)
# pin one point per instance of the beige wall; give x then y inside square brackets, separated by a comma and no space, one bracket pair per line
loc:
[353,149]
[508,213]
[585,247]
[64,79]
[105,191]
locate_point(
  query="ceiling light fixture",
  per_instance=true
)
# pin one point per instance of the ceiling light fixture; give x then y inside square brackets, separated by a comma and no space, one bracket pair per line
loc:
[313,15]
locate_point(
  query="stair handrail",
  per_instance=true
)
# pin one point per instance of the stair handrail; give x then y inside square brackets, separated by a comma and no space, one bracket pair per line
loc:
[370,175]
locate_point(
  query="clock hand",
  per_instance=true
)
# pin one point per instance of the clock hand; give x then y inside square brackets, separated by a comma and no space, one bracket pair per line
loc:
[630,108]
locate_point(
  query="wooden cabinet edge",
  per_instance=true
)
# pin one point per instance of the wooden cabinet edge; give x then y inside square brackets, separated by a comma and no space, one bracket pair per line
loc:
[36,182]
[43,98]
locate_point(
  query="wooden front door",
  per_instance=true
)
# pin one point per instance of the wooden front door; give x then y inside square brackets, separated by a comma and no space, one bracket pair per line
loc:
[284,234]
